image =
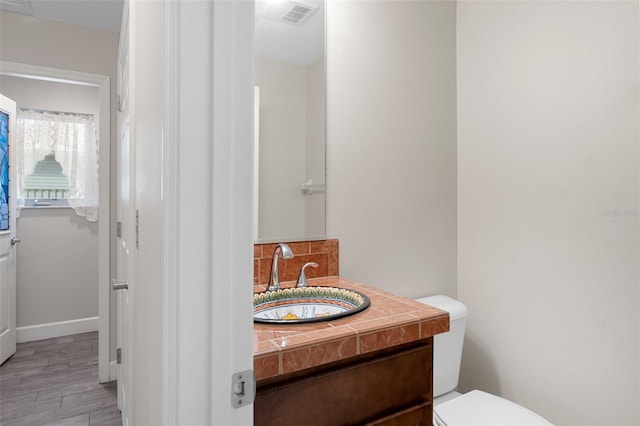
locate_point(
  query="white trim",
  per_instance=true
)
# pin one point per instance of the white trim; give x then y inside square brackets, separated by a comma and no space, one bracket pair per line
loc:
[56,329]
[44,207]
[256,162]
[170,214]
[15,69]
[104,225]
[102,82]
[231,206]
[207,242]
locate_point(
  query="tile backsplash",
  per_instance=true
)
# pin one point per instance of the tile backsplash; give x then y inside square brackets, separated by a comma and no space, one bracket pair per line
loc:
[323,252]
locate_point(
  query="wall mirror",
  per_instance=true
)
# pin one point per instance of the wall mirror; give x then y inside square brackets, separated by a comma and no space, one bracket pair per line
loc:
[289,163]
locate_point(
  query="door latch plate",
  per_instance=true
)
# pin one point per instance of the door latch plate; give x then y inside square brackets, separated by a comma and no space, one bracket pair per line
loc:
[243,388]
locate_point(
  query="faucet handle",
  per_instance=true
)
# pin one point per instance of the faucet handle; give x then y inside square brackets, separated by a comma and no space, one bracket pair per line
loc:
[302,278]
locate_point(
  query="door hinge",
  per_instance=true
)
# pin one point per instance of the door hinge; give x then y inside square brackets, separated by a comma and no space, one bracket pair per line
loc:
[119,229]
[119,103]
[137,229]
[119,356]
[243,388]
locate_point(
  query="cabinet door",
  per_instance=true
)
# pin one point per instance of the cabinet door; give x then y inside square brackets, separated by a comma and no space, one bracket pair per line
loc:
[349,395]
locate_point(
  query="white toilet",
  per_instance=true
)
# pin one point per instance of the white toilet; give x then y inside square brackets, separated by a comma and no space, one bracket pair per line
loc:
[475,408]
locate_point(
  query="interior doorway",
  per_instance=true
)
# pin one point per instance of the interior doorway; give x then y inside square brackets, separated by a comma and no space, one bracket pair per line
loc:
[101,85]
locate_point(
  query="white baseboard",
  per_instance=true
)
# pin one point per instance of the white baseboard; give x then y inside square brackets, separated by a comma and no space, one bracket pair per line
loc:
[56,329]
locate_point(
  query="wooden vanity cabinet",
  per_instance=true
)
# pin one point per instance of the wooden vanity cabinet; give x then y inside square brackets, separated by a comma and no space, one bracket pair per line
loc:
[389,387]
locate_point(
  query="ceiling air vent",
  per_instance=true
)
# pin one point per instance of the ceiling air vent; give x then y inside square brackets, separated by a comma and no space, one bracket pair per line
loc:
[20,6]
[290,12]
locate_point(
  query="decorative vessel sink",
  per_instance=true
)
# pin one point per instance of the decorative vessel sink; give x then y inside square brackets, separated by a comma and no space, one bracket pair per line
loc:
[307,304]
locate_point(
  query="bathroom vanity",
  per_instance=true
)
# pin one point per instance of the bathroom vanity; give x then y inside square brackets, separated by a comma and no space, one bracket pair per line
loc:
[374,367]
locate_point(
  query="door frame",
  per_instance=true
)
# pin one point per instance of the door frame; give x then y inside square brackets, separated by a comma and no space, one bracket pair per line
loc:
[102,83]
[208,240]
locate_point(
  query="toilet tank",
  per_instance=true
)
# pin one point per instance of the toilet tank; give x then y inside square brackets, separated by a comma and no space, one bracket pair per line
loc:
[447,347]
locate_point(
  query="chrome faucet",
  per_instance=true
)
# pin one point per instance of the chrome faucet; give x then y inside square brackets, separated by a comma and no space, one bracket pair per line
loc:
[274,278]
[302,278]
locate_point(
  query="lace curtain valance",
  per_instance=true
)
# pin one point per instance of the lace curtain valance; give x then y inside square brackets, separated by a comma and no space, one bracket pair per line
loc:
[73,140]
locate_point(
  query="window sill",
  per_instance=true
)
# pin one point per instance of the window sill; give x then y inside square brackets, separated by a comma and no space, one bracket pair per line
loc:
[45,202]
[45,207]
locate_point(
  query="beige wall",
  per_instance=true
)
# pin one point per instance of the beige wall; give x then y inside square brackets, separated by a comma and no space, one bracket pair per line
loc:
[391,149]
[315,216]
[57,273]
[282,148]
[292,149]
[34,41]
[54,96]
[548,205]
[57,263]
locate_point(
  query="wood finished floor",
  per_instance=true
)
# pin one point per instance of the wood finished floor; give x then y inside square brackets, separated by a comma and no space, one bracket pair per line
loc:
[55,382]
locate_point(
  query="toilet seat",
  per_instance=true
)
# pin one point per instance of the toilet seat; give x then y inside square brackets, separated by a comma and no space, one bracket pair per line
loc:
[479,408]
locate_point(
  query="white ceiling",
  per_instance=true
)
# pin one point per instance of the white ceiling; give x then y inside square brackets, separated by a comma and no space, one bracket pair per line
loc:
[101,14]
[300,44]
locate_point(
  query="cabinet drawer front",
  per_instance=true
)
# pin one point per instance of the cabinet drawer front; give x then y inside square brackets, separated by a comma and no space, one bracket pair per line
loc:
[349,395]
[418,415]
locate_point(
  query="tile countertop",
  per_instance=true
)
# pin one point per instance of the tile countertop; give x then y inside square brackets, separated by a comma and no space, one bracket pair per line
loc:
[390,320]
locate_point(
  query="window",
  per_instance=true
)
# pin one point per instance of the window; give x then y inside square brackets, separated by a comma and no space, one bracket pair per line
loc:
[57,158]
[47,185]
[4,171]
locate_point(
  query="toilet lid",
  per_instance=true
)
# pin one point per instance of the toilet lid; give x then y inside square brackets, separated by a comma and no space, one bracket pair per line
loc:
[479,408]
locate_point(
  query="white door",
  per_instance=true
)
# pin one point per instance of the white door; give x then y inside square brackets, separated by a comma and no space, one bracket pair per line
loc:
[126,230]
[7,229]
